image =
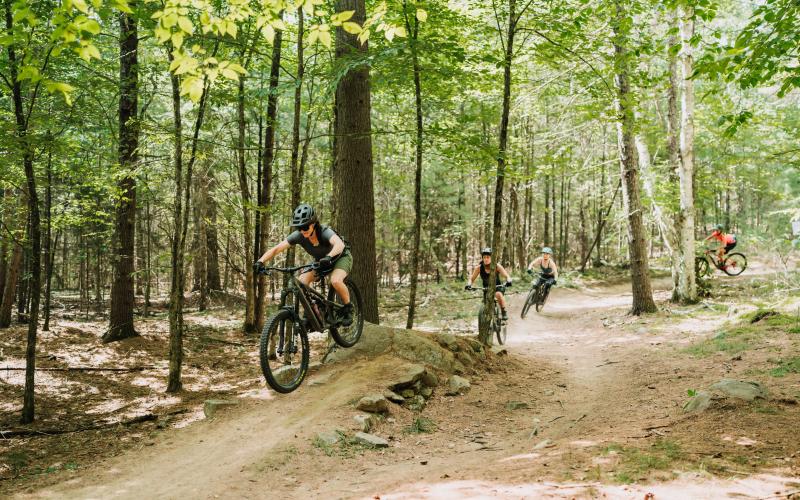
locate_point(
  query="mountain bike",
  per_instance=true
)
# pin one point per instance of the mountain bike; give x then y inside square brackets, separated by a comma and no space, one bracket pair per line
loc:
[732,264]
[496,322]
[536,296]
[284,348]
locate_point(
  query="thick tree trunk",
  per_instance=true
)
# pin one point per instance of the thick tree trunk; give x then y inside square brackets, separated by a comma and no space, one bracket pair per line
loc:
[122,292]
[687,287]
[266,177]
[9,294]
[640,278]
[353,183]
[414,34]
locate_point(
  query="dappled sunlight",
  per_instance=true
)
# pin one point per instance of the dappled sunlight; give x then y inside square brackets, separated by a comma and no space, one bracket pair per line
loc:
[689,485]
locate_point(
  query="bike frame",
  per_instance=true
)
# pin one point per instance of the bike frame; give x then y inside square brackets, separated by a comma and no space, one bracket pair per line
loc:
[302,297]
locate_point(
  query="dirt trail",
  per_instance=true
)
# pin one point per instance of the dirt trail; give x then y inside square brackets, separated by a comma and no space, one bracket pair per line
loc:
[589,375]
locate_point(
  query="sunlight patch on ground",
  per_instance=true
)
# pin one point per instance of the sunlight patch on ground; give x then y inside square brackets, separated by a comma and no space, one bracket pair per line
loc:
[583,443]
[258,393]
[189,418]
[524,456]
[687,486]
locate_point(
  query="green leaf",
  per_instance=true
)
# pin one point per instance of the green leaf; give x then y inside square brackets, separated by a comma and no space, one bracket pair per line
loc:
[186,25]
[351,27]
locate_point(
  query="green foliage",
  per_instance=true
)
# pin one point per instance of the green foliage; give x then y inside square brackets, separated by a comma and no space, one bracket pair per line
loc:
[421,425]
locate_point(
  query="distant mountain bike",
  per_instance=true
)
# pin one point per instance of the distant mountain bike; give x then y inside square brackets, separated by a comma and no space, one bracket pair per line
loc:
[284,348]
[732,264]
[496,322]
[536,296]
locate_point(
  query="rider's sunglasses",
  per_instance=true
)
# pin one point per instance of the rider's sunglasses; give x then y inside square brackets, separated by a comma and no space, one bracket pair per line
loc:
[305,227]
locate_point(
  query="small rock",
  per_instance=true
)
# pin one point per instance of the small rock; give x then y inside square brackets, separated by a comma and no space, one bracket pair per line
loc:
[516,405]
[373,403]
[465,358]
[499,350]
[448,341]
[408,393]
[548,392]
[417,403]
[740,389]
[426,392]
[329,438]
[365,421]
[699,402]
[411,376]
[370,440]
[544,444]
[314,366]
[321,379]
[457,385]
[211,406]
[393,397]
[430,379]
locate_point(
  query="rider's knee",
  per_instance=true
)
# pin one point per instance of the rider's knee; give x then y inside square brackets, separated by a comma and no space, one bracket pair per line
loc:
[337,279]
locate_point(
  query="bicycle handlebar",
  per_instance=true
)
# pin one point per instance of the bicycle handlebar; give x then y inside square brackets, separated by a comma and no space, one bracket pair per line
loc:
[499,288]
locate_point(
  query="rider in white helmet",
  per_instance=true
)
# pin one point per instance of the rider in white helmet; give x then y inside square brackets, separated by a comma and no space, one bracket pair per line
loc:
[548,271]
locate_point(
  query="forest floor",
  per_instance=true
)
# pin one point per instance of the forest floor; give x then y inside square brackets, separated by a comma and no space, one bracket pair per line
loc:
[602,414]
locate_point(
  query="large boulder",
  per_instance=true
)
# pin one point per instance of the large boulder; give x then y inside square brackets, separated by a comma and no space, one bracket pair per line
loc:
[411,375]
[420,349]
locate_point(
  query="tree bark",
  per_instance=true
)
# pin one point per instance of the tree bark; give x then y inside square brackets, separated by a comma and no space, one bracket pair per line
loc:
[266,177]
[249,318]
[640,278]
[484,333]
[122,291]
[353,183]
[687,287]
[414,34]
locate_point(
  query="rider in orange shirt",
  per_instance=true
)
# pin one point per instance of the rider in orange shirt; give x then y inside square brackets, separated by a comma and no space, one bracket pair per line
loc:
[727,241]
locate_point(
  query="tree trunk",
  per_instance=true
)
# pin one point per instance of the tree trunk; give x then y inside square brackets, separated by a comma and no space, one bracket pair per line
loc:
[687,285]
[640,279]
[122,292]
[353,183]
[414,33]
[484,333]
[249,318]
[48,239]
[266,177]
[9,293]
[673,155]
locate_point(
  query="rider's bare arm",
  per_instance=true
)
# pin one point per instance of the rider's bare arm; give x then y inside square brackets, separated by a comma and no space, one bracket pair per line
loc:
[272,252]
[535,262]
[503,272]
[338,246]
[555,269]
[474,275]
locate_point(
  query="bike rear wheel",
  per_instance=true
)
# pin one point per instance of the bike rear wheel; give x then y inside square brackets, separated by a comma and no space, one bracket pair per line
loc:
[701,266]
[347,336]
[284,352]
[528,302]
[735,264]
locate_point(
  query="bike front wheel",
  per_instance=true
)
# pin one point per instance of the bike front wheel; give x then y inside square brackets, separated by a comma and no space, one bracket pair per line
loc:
[347,336]
[735,264]
[542,297]
[499,326]
[284,352]
[528,302]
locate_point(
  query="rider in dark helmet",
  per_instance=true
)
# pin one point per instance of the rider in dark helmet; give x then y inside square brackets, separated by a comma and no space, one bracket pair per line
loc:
[325,246]
[484,268]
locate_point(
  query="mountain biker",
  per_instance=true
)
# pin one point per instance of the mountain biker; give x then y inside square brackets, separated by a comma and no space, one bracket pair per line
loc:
[484,269]
[548,270]
[727,241]
[325,246]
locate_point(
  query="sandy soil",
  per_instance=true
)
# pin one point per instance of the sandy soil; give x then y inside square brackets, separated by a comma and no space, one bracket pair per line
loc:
[604,394]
